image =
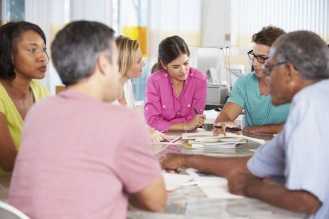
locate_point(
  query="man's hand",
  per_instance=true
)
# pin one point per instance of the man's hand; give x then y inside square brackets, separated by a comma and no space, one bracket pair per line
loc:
[257,132]
[239,180]
[222,127]
[173,161]
[252,131]
[263,130]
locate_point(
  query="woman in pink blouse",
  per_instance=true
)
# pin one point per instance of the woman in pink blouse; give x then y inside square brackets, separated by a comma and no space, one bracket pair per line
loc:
[176,93]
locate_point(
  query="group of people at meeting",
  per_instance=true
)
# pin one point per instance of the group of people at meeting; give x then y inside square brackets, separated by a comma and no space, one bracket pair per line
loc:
[86,153]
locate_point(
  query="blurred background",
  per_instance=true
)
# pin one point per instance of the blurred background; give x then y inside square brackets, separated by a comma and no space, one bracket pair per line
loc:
[217,31]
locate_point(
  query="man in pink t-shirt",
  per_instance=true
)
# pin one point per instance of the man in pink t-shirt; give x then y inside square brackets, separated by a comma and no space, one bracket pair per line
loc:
[82,157]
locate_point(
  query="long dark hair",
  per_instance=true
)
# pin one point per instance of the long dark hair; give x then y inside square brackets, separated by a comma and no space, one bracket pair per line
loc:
[170,48]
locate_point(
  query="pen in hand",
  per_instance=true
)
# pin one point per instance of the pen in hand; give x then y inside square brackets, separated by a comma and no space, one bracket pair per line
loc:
[227,127]
[196,111]
[222,127]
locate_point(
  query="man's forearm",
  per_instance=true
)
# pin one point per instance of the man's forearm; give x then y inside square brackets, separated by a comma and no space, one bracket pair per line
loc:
[264,129]
[215,165]
[277,195]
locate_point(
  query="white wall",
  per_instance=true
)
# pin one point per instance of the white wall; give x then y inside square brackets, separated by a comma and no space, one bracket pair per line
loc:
[95,10]
[216,24]
[169,17]
[52,15]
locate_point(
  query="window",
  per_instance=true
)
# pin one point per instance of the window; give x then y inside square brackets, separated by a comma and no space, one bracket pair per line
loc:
[12,10]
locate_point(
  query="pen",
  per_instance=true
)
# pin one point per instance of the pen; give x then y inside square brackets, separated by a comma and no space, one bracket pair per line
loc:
[222,127]
[175,139]
[196,111]
[229,129]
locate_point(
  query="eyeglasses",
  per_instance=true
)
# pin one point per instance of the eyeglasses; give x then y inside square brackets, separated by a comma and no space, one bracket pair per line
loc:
[267,69]
[33,51]
[260,58]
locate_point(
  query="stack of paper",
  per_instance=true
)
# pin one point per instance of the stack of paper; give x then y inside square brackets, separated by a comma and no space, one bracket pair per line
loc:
[217,142]
[209,135]
[194,135]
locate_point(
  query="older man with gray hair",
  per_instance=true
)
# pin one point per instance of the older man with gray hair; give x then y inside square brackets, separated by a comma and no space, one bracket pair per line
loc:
[291,170]
[299,70]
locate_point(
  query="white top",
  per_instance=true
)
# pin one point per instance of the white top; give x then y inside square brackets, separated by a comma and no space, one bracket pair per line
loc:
[129,93]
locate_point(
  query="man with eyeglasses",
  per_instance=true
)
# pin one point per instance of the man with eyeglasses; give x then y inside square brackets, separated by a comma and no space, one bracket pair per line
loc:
[251,92]
[290,171]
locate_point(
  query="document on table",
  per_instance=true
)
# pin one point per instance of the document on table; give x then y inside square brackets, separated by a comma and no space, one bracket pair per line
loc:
[212,186]
[208,136]
[193,135]
[216,188]
[174,181]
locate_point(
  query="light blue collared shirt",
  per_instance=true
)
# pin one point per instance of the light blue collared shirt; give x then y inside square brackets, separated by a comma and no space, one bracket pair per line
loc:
[300,153]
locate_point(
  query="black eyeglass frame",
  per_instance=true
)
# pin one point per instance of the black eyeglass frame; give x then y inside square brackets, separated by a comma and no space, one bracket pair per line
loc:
[260,58]
[267,69]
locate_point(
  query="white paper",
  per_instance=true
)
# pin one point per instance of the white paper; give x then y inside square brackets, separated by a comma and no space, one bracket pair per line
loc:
[174,181]
[212,186]
[209,135]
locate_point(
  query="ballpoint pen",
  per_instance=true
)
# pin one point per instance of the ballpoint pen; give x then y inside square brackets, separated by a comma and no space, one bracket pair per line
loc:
[222,127]
[196,111]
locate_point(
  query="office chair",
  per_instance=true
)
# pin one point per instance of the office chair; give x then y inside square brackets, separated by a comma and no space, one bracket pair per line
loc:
[9,212]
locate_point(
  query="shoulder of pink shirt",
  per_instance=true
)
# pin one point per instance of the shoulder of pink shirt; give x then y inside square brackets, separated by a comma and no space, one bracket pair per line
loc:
[158,75]
[196,73]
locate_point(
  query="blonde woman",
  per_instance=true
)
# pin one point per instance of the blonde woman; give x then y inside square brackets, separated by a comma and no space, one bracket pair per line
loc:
[130,66]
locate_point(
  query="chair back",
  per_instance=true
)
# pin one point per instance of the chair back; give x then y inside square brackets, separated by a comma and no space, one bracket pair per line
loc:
[9,212]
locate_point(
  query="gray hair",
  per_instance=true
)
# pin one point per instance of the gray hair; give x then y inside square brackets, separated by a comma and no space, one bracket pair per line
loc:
[306,51]
[76,48]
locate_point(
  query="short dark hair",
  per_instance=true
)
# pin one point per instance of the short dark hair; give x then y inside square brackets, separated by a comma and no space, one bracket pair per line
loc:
[9,33]
[306,51]
[267,35]
[76,48]
[170,48]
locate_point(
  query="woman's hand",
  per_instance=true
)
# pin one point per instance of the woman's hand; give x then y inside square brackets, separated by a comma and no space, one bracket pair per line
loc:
[196,122]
